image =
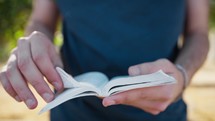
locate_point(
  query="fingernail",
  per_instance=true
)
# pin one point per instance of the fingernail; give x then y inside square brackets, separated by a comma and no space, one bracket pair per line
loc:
[56,85]
[30,103]
[109,103]
[47,97]
[134,70]
[18,99]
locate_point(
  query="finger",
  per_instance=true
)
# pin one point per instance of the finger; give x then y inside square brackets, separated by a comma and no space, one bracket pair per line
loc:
[31,72]
[151,106]
[55,58]
[126,97]
[7,86]
[144,68]
[150,67]
[19,85]
[42,59]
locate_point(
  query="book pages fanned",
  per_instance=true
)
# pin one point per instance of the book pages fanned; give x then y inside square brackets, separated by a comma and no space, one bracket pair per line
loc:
[97,84]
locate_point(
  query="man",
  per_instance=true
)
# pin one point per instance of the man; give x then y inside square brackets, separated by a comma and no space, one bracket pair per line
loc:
[117,38]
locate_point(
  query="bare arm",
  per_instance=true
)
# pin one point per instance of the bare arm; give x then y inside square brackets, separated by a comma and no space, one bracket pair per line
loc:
[196,44]
[44,18]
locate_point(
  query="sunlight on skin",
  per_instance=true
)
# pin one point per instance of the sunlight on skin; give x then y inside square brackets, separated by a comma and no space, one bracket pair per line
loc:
[200,99]
[18,111]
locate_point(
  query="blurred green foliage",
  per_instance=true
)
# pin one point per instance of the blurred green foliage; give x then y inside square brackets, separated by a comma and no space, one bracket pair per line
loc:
[13,18]
[212,14]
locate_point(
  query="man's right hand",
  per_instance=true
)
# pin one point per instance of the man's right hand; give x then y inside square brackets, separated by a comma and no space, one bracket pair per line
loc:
[33,59]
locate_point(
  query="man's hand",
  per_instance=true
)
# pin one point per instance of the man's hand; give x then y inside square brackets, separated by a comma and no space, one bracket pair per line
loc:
[34,58]
[152,99]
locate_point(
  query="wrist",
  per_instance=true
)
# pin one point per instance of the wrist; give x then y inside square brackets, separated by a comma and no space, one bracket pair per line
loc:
[184,74]
[184,82]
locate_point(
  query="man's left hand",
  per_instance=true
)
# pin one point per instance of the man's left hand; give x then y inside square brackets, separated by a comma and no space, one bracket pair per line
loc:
[151,99]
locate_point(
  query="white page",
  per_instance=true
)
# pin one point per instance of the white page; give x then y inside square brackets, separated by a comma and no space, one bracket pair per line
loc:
[65,96]
[68,80]
[88,81]
[159,76]
[77,86]
[97,79]
[130,87]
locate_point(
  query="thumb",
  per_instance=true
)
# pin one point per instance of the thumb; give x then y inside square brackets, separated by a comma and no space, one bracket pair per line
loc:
[113,100]
[140,69]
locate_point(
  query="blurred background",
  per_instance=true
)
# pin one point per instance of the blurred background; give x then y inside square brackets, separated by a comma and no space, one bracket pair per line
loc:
[200,95]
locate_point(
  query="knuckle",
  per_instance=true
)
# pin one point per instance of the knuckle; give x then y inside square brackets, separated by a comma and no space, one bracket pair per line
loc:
[39,87]
[6,85]
[8,88]
[37,58]
[35,84]
[21,40]
[36,33]
[23,63]
[9,72]
[20,90]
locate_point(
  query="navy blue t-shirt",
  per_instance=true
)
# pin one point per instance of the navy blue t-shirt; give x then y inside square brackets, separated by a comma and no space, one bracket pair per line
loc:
[111,35]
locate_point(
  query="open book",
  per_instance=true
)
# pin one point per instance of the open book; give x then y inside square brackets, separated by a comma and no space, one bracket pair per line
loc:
[97,84]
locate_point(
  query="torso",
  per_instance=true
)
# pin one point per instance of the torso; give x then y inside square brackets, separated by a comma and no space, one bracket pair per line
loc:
[111,35]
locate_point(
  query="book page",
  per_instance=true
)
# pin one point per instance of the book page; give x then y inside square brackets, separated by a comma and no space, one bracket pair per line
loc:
[97,79]
[66,95]
[68,80]
[83,85]
[132,82]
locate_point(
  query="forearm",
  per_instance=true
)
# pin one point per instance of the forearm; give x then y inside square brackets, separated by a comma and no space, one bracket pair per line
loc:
[44,18]
[196,44]
[193,53]
[34,25]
